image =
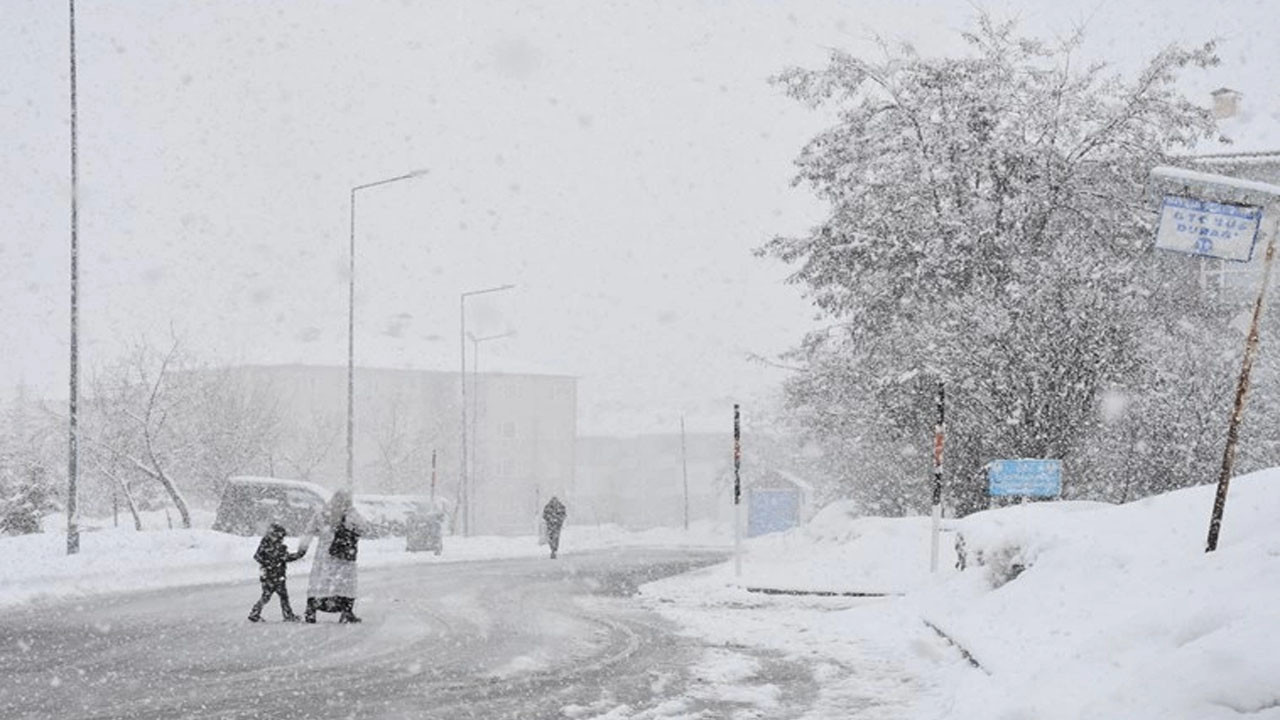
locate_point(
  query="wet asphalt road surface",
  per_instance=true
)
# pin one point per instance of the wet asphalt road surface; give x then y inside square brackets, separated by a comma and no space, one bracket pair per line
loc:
[523,638]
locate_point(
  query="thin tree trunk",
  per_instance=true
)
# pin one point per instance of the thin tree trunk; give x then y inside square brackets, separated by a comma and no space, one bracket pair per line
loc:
[169,487]
[128,496]
[157,470]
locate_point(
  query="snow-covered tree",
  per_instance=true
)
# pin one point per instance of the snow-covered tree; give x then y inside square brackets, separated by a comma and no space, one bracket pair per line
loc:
[157,418]
[30,462]
[988,227]
[404,447]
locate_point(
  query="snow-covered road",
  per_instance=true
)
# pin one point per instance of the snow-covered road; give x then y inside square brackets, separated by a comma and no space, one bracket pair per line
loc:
[525,638]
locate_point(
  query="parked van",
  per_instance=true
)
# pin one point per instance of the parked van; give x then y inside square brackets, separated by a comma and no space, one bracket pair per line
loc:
[249,504]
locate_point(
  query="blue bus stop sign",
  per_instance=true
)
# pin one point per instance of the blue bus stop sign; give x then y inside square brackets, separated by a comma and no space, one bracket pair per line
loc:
[1025,478]
[1211,229]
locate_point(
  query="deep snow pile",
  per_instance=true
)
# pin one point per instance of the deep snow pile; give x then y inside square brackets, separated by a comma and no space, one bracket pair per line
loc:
[1120,613]
[840,551]
[1074,610]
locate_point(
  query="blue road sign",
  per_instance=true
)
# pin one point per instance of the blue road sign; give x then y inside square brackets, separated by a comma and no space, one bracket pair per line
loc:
[1211,229]
[1025,478]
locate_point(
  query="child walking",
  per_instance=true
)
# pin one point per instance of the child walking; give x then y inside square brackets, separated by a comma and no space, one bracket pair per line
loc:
[272,556]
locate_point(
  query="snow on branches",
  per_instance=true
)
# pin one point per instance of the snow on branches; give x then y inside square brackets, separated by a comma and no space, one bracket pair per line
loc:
[986,225]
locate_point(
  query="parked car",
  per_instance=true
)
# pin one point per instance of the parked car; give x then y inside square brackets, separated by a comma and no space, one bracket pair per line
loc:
[249,504]
[386,515]
[424,525]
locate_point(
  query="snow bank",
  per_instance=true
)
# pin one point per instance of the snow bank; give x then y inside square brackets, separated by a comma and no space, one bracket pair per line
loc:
[1120,612]
[1073,610]
[840,551]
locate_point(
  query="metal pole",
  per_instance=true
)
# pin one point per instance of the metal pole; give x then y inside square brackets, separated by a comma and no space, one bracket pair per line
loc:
[737,493]
[351,349]
[351,323]
[73,436]
[475,413]
[462,375]
[684,463]
[433,479]
[1242,385]
[475,424]
[939,436]
[464,487]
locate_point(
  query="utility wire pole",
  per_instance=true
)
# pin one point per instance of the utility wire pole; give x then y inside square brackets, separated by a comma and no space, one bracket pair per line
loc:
[464,484]
[684,463]
[73,437]
[939,436]
[737,493]
[1242,385]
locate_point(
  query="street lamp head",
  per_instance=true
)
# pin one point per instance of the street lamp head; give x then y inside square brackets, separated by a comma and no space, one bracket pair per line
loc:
[472,337]
[407,176]
[498,288]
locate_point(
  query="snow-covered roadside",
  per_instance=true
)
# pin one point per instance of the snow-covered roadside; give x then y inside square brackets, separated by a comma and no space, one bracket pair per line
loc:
[864,652]
[36,567]
[1118,614]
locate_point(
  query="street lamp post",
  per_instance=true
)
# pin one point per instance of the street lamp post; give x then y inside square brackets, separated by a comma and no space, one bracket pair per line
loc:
[463,487]
[351,323]
[475,405]
[73,434]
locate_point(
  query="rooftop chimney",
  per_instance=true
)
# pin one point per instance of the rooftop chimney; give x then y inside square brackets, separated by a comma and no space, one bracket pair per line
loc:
[1226,103]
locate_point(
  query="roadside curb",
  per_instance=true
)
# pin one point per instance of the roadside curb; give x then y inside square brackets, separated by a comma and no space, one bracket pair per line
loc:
[821,593]
[964,652]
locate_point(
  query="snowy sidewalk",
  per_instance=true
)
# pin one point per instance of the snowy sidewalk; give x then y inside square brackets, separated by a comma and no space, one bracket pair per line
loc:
[111,560]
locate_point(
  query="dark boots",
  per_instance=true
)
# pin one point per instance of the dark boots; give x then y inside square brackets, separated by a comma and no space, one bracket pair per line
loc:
[347,606]
[344,605]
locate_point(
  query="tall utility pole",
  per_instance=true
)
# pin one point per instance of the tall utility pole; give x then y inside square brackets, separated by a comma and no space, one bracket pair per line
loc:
[351,325]
[73,437]
[737,493]
[464,488]
[433,479]
[939,436]
[1196,204]
[1242,386]
[475,394]
[684,465]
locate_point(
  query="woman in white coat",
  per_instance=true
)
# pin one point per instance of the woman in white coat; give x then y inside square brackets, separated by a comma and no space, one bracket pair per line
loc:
[332,587]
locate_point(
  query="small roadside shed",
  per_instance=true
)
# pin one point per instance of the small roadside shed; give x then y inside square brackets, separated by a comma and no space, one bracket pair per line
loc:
[776,501]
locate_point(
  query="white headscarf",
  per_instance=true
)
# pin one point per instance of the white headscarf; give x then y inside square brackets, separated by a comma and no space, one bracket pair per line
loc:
[338,506]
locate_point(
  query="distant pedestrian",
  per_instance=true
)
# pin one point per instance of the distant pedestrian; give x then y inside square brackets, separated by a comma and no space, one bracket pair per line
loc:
[553,515]
[272,556]
[332,588]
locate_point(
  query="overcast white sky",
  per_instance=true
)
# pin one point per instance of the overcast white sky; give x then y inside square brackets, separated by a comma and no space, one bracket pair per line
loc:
[617,161]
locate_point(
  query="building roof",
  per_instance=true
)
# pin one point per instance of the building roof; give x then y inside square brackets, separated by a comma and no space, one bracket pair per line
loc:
[1254,129]
[495,367]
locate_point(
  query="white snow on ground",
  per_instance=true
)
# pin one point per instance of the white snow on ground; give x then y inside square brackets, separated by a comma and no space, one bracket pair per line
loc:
[121,559]
[862,652]
[1119,612]
[838,550]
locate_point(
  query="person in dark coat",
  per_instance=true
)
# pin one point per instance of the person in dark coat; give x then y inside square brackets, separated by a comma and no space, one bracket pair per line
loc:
[553,515]
[337,528]
[272,556]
